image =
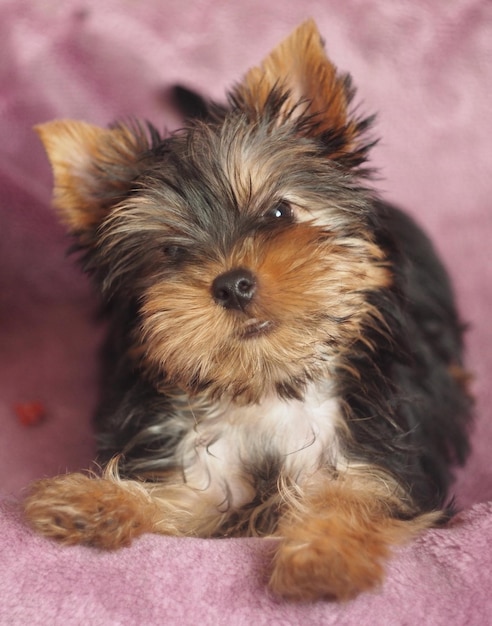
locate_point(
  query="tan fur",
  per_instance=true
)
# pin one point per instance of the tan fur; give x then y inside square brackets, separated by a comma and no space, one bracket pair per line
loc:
[75,150]
[336,546]
[77,508]
[335,276]
[299,64]
[334,534]
[109,512]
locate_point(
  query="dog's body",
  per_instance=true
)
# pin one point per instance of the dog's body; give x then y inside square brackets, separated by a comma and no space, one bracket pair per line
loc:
[285,355]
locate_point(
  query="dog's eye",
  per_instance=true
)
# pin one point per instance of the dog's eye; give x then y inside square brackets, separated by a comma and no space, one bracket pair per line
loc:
[174,253]
[280,211]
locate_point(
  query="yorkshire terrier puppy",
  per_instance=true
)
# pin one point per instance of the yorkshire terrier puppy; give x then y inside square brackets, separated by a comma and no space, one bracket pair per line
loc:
[285,357]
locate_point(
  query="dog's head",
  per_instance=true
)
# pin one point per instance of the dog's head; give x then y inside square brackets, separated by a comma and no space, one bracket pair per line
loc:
[245,239]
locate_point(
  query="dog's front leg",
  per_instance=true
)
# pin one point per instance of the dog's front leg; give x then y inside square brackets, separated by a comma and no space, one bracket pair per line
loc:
[108,512]
[337,537]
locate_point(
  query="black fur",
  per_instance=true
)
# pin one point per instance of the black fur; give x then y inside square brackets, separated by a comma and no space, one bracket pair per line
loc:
[408,378]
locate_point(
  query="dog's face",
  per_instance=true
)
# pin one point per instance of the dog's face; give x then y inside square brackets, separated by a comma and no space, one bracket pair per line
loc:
[246,241]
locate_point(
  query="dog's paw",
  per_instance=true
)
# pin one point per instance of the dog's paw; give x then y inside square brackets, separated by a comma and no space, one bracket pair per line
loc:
[78,509]
[316,565]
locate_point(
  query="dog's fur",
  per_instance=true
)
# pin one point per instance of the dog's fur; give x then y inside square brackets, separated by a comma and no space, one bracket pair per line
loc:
[285,357]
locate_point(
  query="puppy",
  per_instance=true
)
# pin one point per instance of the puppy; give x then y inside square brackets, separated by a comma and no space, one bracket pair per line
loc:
[285,357]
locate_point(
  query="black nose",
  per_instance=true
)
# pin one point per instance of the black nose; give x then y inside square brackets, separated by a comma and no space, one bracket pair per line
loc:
[234,289]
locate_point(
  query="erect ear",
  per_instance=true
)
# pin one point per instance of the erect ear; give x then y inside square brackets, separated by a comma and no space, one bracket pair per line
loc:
[93,167]
[303,86]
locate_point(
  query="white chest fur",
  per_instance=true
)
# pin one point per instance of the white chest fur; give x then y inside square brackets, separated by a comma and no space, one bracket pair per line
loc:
[220,455]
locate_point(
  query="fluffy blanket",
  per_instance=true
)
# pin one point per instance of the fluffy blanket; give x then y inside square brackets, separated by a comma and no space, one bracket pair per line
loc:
[426,67]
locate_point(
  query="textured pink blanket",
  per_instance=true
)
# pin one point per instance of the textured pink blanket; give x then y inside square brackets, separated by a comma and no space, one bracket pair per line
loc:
[426,67]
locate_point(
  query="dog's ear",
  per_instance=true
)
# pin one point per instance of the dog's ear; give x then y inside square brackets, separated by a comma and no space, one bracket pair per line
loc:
[93,168]
[297,83]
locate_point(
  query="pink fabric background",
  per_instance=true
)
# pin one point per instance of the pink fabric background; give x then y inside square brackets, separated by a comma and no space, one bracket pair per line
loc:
[426,68]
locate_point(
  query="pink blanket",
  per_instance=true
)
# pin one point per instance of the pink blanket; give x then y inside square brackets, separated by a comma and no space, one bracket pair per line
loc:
[426,67]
